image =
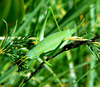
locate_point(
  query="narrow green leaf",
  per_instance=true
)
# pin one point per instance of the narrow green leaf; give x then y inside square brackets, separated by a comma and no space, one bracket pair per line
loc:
[29,19]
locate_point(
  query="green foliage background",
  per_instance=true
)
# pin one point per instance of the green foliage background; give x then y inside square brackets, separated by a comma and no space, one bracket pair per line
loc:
[77,67]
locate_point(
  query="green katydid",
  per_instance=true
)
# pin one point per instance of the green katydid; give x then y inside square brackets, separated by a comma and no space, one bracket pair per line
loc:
[51,41]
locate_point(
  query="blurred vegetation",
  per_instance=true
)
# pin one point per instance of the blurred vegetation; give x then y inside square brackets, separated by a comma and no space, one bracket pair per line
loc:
[77,67]
[11,11]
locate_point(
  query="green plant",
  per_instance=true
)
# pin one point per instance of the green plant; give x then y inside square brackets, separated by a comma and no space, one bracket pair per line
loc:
[18,47]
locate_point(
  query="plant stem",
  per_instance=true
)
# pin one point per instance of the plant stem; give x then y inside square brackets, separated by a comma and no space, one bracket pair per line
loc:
[72,71]
[92,74]
[40,60]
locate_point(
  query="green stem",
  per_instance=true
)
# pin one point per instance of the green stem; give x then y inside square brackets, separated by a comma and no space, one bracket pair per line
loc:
[40,60]
[92,64]
[72,71]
